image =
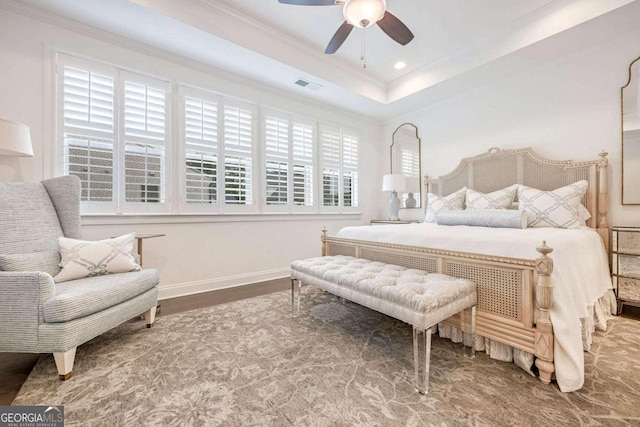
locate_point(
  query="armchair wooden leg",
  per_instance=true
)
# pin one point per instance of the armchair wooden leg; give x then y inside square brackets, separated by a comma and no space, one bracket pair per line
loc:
[150,317]
[64,363]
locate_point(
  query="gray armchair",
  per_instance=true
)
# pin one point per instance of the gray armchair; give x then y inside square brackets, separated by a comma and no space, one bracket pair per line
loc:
[38,315]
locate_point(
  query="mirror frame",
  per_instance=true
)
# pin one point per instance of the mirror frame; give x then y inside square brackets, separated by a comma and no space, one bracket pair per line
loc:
[393,141]
[622,134]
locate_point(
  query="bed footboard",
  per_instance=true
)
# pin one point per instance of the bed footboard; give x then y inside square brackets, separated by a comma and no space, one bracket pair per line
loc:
[508,289]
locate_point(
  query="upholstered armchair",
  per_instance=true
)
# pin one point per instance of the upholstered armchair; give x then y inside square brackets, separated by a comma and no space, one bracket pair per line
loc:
[38,315]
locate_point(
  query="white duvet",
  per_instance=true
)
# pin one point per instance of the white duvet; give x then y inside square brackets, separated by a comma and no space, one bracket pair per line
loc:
[580,277]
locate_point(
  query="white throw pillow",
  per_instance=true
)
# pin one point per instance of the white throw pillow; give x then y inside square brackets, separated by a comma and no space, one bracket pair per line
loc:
[435,203]
[558,208]
[500,199]
[80,259]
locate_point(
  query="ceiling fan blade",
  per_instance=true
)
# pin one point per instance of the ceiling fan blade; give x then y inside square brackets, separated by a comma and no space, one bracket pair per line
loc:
[339,37]
[309,2]
[395,29]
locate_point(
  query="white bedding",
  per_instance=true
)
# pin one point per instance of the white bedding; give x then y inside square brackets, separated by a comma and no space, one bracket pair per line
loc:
[580,277]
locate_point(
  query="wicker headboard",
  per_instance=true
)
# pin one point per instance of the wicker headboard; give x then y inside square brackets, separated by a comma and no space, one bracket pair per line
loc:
[497,169]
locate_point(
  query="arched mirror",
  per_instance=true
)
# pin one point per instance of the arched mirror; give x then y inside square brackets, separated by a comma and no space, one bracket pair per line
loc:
[405,159]
[631,136]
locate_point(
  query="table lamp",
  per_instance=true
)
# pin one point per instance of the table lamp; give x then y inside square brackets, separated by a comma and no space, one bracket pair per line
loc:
[15,139]
[395,183]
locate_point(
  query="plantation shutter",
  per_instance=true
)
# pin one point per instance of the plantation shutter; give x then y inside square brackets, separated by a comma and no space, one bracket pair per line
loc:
[330,160]
[350,170]
[145,139]
[277,159]
[303,143]
[88,128]
[238,164]
[201,150]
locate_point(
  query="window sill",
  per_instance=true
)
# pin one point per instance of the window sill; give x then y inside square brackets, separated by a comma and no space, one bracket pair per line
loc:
[128,219]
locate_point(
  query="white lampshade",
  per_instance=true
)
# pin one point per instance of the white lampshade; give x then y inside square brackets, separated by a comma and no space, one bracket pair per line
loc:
[15,139]
[394,182]
[364,13]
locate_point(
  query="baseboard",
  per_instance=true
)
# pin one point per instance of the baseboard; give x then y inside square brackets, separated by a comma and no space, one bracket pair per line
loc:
[190,288]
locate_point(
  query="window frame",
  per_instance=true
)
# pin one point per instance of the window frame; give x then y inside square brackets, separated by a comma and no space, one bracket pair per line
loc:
[175,147]
[292,120]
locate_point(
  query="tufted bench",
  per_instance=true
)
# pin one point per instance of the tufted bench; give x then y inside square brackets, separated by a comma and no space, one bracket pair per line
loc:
[414,296]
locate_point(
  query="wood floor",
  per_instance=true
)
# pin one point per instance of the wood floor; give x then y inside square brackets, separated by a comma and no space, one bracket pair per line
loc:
[16,367]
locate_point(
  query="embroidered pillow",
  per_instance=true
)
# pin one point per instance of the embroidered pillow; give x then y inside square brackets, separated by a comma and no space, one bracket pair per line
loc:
[495,218]
[435,203]
[80,259]
[558,208]
[47,261]
[501,199]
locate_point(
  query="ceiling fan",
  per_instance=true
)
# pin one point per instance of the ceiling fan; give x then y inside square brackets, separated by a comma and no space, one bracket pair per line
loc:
[361,14]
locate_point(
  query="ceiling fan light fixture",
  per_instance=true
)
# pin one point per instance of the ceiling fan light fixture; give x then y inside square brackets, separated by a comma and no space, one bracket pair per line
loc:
[364,13]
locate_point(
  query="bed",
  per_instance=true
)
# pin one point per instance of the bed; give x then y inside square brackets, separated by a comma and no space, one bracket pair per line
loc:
[541,291]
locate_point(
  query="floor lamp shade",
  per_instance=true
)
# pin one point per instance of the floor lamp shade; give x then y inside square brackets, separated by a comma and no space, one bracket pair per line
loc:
[15,139]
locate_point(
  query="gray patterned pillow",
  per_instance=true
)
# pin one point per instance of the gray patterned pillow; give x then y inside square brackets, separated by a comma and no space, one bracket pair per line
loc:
[558,208]
[500,199]
[435,203]
[82,259]
[46,261]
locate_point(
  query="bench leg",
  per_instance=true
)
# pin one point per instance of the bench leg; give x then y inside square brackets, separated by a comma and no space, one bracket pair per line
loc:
[421,358]
[472,330]
[295,296]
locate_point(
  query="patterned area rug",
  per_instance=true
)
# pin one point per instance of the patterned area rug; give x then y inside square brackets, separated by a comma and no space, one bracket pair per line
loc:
[250,363]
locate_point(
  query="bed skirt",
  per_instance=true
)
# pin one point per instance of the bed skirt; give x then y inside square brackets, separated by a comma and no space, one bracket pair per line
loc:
[602,310]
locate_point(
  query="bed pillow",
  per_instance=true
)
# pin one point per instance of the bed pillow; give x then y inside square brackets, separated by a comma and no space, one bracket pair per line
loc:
[435,203]
[47,261]
[500,199]
[80,259]
[558,208]
[495,218]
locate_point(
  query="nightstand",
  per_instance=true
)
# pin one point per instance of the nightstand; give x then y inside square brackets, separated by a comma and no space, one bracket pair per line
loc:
[388,221]
[625,265]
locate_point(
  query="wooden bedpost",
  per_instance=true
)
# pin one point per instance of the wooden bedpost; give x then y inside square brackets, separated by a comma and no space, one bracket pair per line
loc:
[603,199]
[323,238]
[544,328]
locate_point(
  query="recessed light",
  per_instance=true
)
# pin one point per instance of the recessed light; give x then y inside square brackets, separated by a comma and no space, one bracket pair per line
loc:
[400,65]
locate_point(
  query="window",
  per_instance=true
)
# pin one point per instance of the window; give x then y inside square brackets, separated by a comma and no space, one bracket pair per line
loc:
[339,163]
[216,128]
[289,162]
[113,130]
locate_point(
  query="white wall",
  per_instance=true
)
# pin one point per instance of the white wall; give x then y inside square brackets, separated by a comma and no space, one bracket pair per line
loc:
[193,256]
[566,109]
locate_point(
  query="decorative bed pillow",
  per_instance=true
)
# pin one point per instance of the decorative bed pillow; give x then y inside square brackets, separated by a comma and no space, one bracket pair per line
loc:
[496,218]
[82,259]
[500,199]
[558,208]
[435,203]
[47,261]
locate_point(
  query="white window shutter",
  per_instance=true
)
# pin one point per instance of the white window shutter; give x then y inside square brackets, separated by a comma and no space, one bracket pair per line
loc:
[238,152]
[303,142]
[350,170]
[276,153]
[201,150]
[144,133]
[330,163]
[87,124]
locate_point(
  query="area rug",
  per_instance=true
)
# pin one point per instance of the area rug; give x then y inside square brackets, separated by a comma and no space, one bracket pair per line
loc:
[250,363]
